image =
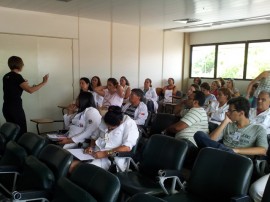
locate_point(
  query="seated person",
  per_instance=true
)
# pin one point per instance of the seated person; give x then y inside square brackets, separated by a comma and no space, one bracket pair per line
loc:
[251,98]
[135,108]
[222,82]
[217,109]
[261,115]
[112,94]
[215,85]
[126,87]
[150,96]
[182,108]
[231,86]
[235,132]
[85,84]
[197,80]
[81,120]
[258,187]
[169,90]
[264,83]
[205,88]
[116,133]
[95,82]
[195,120]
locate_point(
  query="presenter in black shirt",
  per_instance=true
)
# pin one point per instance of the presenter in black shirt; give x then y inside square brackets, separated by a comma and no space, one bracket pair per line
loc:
[13,86]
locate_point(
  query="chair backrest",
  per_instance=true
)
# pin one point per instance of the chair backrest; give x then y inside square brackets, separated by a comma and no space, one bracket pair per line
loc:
[57,159]
[88,183]
[219,175]
[8,131]
[28,144]
[266,193]
[148,119]
[161,122]
[162,152]
[42,173]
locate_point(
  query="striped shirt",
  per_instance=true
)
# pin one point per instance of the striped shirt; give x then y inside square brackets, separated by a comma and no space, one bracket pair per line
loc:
[197,120]
[130,111]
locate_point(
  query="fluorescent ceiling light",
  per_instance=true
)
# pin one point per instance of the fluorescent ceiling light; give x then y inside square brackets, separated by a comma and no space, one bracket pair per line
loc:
[187,20]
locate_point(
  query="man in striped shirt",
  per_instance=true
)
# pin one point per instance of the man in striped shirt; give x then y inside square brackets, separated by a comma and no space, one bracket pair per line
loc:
[195,120]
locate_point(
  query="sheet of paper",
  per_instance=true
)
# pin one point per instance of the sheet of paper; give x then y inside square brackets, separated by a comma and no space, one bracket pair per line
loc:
[55,137]
[78,153]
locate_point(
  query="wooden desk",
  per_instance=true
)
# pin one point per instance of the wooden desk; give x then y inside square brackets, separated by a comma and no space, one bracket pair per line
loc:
[170,105]
[43,121]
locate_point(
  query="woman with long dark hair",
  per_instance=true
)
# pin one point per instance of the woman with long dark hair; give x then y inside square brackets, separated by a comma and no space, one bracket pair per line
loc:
[81,120]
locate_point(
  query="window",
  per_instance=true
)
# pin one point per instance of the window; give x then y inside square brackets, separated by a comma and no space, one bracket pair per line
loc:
[238,60]
[258,59]
[203,59]
[230,61]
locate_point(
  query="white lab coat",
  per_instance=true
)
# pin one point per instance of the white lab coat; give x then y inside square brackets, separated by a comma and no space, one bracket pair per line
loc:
[81,126]
[124,135]
[140,114]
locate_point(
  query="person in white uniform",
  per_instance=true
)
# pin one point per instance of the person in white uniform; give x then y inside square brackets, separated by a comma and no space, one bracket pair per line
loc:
[95,82]
[80,124]
[116,133]
[261,116]
[150,96]
[135,108]
[113,93]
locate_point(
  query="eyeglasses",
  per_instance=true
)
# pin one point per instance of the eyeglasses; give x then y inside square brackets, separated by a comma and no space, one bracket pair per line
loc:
[231,110]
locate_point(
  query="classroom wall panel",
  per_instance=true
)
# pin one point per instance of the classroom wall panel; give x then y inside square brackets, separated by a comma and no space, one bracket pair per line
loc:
[36,23]
[151,51]
[255,32]
[173,57]
[95,49]
[125,52]
[41,56]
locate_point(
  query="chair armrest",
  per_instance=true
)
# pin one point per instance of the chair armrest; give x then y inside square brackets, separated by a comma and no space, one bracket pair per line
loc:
[27,195]
[261,167]
[128,159]
[240,199]
[125,154]
[175,175]
[10,169]
[169,173]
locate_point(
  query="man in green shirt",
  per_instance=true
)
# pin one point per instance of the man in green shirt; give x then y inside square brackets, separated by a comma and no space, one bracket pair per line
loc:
[235,133]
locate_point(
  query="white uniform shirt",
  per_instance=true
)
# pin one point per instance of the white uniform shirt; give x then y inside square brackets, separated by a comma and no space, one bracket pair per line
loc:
[151,94]
[218,114]
[98,99]
[124,135]
[112,99]
[82,125]
[262,119]
[140,114]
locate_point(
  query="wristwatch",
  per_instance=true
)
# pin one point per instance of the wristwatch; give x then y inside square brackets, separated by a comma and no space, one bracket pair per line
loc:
[112,153]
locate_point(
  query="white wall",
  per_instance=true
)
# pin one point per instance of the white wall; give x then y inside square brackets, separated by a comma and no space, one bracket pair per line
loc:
[70,47]
[255,32]
[41,56]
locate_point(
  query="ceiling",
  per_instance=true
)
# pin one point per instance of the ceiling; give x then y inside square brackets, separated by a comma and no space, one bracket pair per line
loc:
[157,14]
